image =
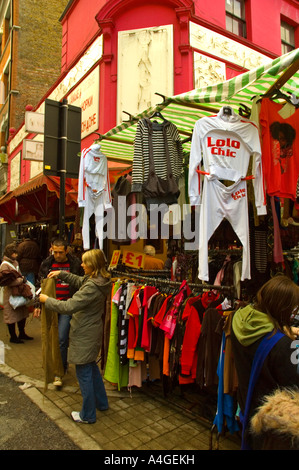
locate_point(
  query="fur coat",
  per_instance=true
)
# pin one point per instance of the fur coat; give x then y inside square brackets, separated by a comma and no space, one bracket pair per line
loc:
[13,288]
[276,421]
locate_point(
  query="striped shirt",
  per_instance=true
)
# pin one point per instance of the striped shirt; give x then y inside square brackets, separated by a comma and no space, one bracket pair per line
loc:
[140,170]
[62,288]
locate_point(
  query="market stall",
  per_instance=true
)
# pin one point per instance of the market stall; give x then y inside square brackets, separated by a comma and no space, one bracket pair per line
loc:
[272,232]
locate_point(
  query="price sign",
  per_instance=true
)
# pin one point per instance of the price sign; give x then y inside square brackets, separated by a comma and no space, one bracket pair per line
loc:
[133,259]
[114,259]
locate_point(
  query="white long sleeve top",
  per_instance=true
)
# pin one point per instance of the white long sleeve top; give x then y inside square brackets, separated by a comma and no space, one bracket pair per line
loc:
[93,176]
[221,147]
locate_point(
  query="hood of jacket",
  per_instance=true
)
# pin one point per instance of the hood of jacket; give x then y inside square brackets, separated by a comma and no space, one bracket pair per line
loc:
[249,325]
[103,284]
[279,415]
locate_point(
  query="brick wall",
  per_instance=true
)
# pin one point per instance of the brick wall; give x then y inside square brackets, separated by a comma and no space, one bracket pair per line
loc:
[36,53]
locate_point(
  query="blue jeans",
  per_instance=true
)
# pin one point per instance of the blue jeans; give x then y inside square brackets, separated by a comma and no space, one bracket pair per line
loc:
[30,277]
[92,390]
[63,335]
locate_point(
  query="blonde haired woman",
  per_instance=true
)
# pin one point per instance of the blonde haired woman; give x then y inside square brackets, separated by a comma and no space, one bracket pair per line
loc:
[86,308]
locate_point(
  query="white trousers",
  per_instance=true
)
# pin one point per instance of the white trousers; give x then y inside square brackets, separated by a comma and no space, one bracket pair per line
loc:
[219,202]
[94,205]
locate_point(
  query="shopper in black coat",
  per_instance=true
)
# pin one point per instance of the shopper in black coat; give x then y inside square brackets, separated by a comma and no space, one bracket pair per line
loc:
[276,303]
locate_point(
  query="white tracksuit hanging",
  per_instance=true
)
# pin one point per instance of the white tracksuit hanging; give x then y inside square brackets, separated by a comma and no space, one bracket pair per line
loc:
[93,191]
[221,149]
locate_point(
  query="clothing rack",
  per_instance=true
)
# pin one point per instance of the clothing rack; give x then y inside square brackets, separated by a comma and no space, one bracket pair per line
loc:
[155,272]
[121,275]
[195,287]
[291,253]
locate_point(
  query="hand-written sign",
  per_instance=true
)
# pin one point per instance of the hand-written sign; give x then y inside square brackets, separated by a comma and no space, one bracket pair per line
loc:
[133,259]
[114,259]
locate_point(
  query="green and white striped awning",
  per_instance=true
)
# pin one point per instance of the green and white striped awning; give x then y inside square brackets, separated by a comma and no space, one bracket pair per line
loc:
[185,109]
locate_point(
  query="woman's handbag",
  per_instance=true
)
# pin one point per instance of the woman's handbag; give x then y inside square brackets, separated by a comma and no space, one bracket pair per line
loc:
[19,300]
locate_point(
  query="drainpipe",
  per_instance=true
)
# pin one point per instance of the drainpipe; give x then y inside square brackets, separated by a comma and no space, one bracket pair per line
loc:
[13,28]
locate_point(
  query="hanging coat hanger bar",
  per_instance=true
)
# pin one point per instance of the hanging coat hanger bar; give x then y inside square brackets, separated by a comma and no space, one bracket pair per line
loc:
[290,71]
[244,110]
[277,94]
[113,139]
[154,280]
[196,106]
[162,96]
[127,270]
[161,272]
[131,117]
[188,139]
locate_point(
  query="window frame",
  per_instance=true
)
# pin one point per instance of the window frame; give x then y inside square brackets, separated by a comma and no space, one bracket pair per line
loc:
[240,20]
[284,43]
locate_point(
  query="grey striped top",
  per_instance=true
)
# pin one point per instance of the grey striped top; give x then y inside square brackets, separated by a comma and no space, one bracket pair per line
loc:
[140,171]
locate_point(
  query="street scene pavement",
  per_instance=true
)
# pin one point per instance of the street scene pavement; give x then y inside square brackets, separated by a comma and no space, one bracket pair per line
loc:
[23,426]
[135,421]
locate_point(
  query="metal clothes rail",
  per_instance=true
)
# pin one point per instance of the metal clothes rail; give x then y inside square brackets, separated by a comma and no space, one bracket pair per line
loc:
[167,282]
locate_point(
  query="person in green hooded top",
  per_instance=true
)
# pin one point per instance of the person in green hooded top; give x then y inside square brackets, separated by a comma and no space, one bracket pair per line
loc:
[276,303]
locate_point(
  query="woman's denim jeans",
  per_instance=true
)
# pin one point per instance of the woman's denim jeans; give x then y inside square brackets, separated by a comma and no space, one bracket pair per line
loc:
[92,390]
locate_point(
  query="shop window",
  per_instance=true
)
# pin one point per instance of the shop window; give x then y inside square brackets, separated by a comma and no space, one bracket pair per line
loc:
[235,17]
[287,37]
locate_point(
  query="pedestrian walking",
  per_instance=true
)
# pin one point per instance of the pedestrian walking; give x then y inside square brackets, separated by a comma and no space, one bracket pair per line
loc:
[13,282]
[29,257]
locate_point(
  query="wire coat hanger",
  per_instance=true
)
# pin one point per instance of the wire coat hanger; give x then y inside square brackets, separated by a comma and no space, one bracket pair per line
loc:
[157,114]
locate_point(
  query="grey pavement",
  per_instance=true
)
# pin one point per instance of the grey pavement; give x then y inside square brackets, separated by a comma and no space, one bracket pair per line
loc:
[23,426]
[135,421]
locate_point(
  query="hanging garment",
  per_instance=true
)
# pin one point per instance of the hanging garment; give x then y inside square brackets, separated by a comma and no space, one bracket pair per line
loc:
[123,199]
[136,312]
[157,161]
[261,353]
[114,371]
[279,150]
[122,326]
[224,144]
[93,191]
[220,202]
[230,377]
[209,344]
[225,413]
[277,245]
[52,362]
[149,292]
[168,324]
[194,321]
